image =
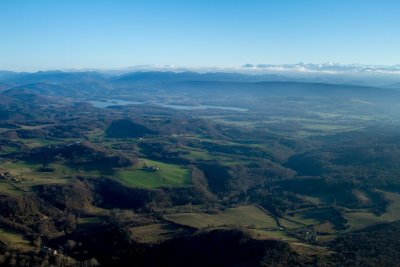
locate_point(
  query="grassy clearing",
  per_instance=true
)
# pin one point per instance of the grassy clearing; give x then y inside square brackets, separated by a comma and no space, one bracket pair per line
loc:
[303,220]
[6,149]
[96,135]
[196,154]
[257,222]
[310,250]
[38,142]
[7,189]
[155,233]
[90,220]
[30,175]
[326,227]
[244,216]
[362,219]
[265,235]
[167,175]
[328,127]
[361,196]
[324,220]
[313,200]
[290,224]
[33,127]
[238,123]
[15,240]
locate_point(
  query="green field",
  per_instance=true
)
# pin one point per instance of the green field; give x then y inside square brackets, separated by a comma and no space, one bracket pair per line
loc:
[264,235]
[155,233]
[38,142]
[290,223]
[167,175]
[14,240]
[361,219]
[31,170]
[29,175]
[244,216]
[300,219]
[324,220]
[7,188]
[196,154]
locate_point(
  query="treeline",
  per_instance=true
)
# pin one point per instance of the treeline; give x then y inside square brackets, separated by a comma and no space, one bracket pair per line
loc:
[368,157]
[35,217]
[110,245]
[78,153]
[378,245]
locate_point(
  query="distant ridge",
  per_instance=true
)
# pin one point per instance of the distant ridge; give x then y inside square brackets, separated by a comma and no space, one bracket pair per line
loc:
[328,68]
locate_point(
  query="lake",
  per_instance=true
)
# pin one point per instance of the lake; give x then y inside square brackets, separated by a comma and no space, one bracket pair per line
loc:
[117,102]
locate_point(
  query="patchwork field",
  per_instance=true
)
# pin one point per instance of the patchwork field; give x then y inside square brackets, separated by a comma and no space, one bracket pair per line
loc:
[277,234]
[154,174]
[361,219]
[141,175]
[244,216]
[156,233]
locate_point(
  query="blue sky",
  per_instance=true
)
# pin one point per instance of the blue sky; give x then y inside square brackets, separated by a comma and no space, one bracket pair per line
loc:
[55,34]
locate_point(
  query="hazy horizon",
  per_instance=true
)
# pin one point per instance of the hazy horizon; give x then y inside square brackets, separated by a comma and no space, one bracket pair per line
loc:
[249,68]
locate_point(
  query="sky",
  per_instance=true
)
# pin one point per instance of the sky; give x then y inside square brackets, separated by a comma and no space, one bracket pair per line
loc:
[65,34]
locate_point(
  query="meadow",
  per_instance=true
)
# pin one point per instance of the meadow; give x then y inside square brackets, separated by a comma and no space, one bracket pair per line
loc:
[243,216]
[29,174]
[156,233]
[15,240]
[361,219]
[163,175]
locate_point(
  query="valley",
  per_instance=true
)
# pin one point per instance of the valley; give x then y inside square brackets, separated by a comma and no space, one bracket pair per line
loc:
[303,167]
